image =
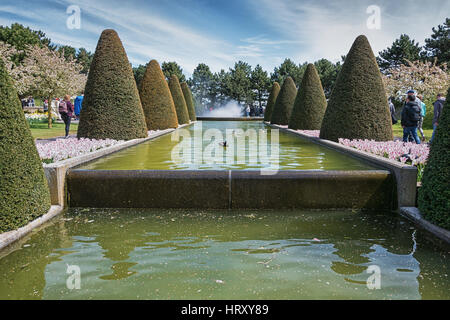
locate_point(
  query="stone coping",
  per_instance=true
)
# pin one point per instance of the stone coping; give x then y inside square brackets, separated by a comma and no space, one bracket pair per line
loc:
[414,214]
[8,238]
[406,175]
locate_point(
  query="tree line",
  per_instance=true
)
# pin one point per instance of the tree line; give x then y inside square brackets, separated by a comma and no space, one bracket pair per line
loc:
[250,86]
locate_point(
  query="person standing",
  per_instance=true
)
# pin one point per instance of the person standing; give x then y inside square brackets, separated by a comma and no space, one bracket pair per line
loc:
[392,110]
[410,118]
[66,110]
[438,107]
[78,105]
[247,111]
[422,116]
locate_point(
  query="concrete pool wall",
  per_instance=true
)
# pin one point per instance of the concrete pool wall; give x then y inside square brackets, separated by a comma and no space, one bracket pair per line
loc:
[372,190]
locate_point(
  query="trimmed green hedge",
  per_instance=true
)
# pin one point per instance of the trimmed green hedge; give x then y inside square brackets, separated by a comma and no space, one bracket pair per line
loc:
[178,99]
[111,105]
[271,101]
[190,102]
[358,107]
[310,104]
[24,193]
[285,103]
[159,108]
[434,196]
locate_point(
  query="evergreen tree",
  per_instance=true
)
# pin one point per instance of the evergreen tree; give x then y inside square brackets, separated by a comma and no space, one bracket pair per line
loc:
[434,196]
[438,46]
[138,73]
[24,193]
[288,69]
[111,106]
[201,82]
[401,50]
[179,100]
[310,104]
[190,102]
[285,103]
[172,68]
[260,83]
[157,101]
[271,101]
[358,107]
[240,83]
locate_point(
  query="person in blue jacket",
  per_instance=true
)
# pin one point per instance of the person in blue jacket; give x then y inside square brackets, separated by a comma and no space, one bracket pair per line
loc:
[78,105]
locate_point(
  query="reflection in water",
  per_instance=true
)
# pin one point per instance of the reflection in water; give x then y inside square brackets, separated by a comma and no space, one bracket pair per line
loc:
[151,254]
[294,153]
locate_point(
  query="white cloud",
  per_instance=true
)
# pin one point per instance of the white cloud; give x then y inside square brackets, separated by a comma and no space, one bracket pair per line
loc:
[327,29]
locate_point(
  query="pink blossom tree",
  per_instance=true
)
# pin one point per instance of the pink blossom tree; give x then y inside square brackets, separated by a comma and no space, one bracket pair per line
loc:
[45,73]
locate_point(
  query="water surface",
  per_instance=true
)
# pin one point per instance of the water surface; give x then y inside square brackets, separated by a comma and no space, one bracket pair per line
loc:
[154,254]
[294,153]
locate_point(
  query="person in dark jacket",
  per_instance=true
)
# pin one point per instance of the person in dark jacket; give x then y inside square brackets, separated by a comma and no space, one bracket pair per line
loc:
[66,110]
[438,107]
[410,118]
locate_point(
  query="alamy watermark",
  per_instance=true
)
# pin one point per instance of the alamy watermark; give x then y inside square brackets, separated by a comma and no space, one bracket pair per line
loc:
[74,19]
[73,282]
[374,281]
[374,20]
[232,147]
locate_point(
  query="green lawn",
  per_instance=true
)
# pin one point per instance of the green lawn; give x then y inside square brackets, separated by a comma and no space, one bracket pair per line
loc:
[41,130]
[398,132]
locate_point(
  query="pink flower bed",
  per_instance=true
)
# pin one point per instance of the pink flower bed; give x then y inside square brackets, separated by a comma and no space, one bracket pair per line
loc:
[63,149]
[394,150]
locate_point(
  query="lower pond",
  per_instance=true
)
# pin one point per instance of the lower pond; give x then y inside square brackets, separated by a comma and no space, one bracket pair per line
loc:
[155,254]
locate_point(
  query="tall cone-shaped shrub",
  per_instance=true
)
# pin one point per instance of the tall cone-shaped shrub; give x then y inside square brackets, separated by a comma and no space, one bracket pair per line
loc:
[189,101]
[157,102]
[358,107]
[434,196]
[310,104]
[179,100]
[285,103]
[111,105]
[271,101]
[24,193]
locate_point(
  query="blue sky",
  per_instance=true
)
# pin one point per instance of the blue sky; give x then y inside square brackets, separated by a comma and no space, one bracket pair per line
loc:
[220,32]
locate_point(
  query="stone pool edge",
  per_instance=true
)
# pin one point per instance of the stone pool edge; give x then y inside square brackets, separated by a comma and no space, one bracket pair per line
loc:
[414,214]
[405,175]
[10,237]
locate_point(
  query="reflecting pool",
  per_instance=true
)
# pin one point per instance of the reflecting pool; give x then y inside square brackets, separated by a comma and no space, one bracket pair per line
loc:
[156,254]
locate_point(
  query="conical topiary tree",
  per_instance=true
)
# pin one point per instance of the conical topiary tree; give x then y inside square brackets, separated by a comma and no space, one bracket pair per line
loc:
[310,104]
[24,193]
[358,107]
[271,101]
[178,99]
[285,103]
[111,106]
[434,196]
[189,101]
[157,102]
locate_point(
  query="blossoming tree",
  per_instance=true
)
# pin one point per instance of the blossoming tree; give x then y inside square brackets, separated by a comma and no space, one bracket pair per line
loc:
[45,73]
[427,78]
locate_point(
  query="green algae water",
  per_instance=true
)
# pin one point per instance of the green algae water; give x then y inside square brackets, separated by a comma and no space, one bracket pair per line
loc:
[203,142]
[154,254]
